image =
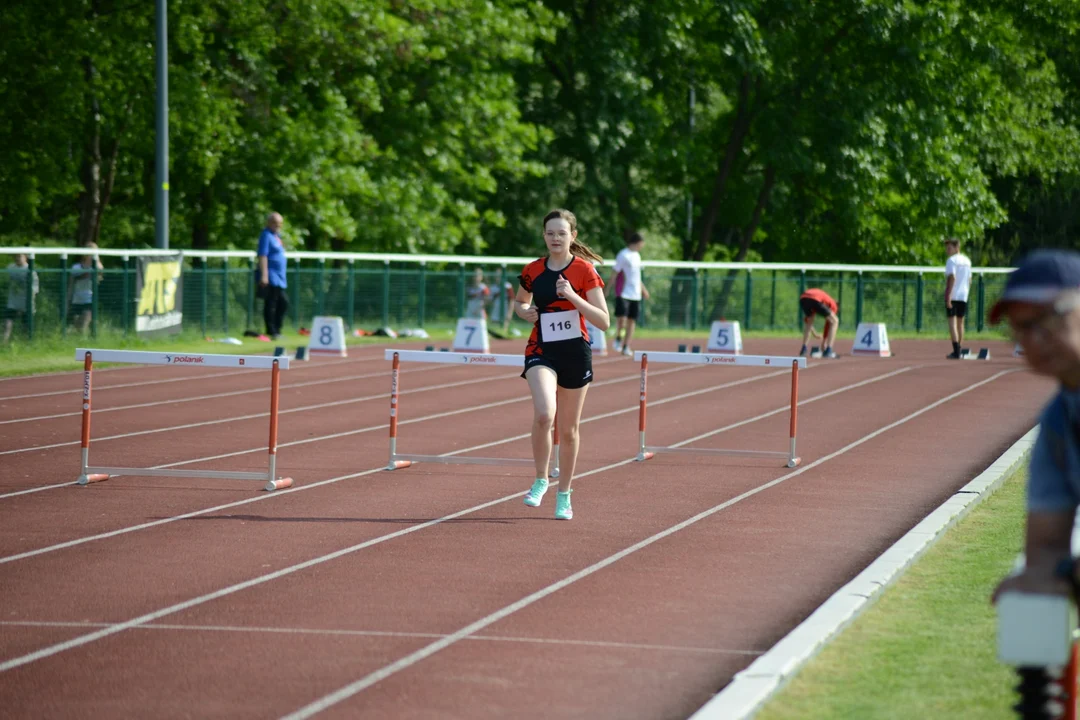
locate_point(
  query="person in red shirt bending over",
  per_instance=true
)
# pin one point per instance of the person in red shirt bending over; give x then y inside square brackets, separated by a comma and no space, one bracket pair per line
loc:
[816,301]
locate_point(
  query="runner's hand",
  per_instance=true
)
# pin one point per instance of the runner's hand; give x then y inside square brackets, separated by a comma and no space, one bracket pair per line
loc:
[564,289]
[1034,583]
[528,313]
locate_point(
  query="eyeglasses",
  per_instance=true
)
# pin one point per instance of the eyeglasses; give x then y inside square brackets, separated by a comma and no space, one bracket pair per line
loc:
[1038,329]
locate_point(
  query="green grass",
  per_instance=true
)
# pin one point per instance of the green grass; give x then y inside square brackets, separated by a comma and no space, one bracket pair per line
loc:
[53,352]
[927,648]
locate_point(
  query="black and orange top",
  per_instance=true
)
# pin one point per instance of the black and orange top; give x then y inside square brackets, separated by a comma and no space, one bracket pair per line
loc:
[537,278]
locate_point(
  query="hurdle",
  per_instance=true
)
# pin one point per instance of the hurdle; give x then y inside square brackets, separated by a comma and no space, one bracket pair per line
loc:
[400,461]
[647,452]
[92,474]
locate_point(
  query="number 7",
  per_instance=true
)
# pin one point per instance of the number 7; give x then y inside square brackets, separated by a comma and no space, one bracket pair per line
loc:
[468,339]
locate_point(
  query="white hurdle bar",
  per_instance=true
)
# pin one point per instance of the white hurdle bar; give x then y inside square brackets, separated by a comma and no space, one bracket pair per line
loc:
[400,461]
[92,474]
[646,452]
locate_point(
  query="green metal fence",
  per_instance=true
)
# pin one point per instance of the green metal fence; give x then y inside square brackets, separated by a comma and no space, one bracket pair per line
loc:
[398,291]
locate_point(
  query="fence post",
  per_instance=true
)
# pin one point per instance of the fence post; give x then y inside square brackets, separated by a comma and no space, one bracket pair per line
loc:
[705,296]
[501,293]
[295,309]
[982,302]
[858,298]
[748,300]
[320,304]
[461,290]
[693,300]
[94,292]
[423,295]
[350,295]
[204,274]
[63,295]
[642,306]
[840,304]
[30,296]
[903,305]
[918,303]
[802,289]
[250,293]
[125,318]
[386,294]
[772,304]
[225,295]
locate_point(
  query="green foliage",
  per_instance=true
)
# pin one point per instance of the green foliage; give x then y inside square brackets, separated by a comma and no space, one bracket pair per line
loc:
[836,130]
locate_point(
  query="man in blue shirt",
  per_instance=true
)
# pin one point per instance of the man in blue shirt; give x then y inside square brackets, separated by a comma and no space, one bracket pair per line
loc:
[1042,305]
[272,282]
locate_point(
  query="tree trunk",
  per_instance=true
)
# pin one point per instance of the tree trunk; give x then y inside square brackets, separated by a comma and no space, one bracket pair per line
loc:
[90,173]
[747,238]
[740,127]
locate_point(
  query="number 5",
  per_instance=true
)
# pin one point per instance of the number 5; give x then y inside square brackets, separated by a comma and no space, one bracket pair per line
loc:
[722,337]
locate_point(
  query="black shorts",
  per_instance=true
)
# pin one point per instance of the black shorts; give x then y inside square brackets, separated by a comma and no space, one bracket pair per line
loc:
[958,309]
[13,314]
[81,308]
[570,359]
[627,308]
[810,306]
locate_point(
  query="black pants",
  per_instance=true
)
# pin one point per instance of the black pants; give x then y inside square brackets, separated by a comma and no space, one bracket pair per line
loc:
[275,303]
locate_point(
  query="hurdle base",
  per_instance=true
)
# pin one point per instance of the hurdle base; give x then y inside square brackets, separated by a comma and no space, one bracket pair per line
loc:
[794,462]
[92,478]
[554,474]
[279,484]
[643,456]
[398,464]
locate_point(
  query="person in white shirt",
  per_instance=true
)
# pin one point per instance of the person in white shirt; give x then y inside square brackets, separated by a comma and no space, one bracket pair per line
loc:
[957,287]
[18,273]
[629,292]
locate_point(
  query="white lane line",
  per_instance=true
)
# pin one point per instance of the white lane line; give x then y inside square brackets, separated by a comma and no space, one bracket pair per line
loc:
[253,582]
[787,407]
[188,426]
[437,416]
[197,398]
[76,377]
[333,632]
[471,408]
[333,436]
[252,416]
[404,663]
[112,533]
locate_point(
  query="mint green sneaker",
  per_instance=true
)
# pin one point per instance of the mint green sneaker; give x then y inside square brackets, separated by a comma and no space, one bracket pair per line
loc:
[536,492]
[563,511]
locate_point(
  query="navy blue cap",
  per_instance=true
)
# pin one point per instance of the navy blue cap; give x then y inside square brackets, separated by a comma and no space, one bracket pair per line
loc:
[1041,277]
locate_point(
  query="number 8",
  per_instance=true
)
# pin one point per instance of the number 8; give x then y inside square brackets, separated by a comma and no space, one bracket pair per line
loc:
[326,335]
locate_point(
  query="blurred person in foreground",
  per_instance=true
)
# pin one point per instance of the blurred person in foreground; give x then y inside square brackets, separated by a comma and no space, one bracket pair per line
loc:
[1041,303]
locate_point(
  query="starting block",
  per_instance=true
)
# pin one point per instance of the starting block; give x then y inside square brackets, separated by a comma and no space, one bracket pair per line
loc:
[984,354]
[301,353]
[682,348]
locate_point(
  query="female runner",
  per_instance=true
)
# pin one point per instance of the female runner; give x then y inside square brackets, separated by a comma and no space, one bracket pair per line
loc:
[558,294]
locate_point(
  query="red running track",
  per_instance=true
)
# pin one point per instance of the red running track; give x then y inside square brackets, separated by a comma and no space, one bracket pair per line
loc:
[433,591]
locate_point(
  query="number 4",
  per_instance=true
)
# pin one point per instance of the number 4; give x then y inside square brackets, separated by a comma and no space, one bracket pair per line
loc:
[868,338]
